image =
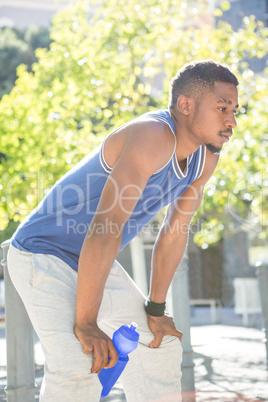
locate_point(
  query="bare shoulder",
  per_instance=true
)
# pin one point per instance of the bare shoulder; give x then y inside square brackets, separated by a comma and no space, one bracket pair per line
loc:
[154,142]
[147,142]
[152,134]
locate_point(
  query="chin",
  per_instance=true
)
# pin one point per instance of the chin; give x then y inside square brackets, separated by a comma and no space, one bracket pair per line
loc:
[213,149]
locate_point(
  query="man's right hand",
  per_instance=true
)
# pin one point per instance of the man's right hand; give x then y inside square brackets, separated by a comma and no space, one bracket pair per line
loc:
[94,340]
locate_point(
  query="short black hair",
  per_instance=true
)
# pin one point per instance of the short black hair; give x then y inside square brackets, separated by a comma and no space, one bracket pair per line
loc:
[197,78]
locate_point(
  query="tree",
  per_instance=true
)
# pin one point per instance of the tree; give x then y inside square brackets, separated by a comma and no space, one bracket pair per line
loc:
[13,51]
[100,72]
[17,47]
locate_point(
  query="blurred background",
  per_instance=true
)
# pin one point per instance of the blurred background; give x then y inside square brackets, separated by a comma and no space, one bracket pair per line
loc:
[70,72]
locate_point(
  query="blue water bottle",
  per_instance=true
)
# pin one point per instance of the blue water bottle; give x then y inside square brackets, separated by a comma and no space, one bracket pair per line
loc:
[125,340]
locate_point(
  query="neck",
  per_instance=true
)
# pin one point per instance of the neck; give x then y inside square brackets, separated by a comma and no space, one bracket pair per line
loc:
[185,142]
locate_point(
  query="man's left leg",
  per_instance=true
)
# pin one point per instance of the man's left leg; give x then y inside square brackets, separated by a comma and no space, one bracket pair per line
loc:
[151,374]
[47,287]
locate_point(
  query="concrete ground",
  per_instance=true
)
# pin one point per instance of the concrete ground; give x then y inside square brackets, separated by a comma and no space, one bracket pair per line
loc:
[230,360]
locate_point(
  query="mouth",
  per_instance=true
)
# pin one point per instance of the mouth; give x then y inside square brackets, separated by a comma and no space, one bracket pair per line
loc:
[226,135]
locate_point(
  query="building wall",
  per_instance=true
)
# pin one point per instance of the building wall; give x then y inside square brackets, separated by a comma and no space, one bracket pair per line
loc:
[22,13]
[39,12]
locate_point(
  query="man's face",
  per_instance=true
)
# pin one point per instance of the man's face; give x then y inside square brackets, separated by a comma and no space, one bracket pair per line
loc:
[214,119]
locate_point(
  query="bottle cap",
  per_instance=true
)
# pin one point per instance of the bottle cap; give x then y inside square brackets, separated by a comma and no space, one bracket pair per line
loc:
[129,332]
[133,326]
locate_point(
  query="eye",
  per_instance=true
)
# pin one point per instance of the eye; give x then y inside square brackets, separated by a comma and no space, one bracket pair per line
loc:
[222,109]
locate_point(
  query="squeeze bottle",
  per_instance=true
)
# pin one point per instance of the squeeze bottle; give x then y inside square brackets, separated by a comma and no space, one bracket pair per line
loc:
[125,340]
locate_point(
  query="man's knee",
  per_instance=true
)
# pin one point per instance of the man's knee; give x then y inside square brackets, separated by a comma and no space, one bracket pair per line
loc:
[64,354]
[68,374]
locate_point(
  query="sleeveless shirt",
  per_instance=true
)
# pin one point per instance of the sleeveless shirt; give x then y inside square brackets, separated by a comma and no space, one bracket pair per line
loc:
[58,225]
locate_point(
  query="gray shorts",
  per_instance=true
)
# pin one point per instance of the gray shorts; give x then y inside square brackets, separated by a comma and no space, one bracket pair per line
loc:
[47,286]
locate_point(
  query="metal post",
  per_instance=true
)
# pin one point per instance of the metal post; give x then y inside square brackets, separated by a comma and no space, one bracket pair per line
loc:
[181,313]
[19,343]
[262,274]
[138,262]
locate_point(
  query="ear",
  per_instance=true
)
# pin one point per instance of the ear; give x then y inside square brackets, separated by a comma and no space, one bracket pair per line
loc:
[183,104]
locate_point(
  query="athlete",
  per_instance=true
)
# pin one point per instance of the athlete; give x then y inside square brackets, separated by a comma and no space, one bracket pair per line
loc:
[63,256]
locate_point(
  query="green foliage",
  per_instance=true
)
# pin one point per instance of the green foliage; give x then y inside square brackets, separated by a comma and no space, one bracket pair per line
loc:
[36,37]
[100,72]
[17,47]
[13,51]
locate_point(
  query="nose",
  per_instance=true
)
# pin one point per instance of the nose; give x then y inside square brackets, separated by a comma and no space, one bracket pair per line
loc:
[231,121]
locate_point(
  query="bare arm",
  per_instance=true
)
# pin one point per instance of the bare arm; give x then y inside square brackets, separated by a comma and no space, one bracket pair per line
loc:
[170,247]
[141,157]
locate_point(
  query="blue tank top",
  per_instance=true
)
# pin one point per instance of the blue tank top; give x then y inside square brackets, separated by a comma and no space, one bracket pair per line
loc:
[58,225]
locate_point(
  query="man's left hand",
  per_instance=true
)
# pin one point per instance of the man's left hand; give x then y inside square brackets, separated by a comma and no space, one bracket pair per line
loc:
[161,326]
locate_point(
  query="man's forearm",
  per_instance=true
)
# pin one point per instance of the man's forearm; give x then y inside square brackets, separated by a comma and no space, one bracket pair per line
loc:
[172,241]
[97,256]
[167,255]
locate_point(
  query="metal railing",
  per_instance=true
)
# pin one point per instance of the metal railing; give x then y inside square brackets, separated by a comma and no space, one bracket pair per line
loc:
[21,385]
[262,274]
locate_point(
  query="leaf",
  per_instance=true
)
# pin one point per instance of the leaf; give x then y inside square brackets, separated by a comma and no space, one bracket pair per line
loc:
[104,71]
[225,5]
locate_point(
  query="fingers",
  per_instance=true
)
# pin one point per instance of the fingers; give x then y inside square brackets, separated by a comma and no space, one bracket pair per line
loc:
[105,356]
[161,326]
[100,356]
[87,346]
[87,349]
[159,337]
[157,340]
[175,332]
[113,356]
[178,334]
[95,341]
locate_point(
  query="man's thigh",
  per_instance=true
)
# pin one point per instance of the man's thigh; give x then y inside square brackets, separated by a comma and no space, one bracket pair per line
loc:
[47,287]
[151,374]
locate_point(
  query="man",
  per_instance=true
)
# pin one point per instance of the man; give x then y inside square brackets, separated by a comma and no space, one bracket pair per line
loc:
[162,157]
